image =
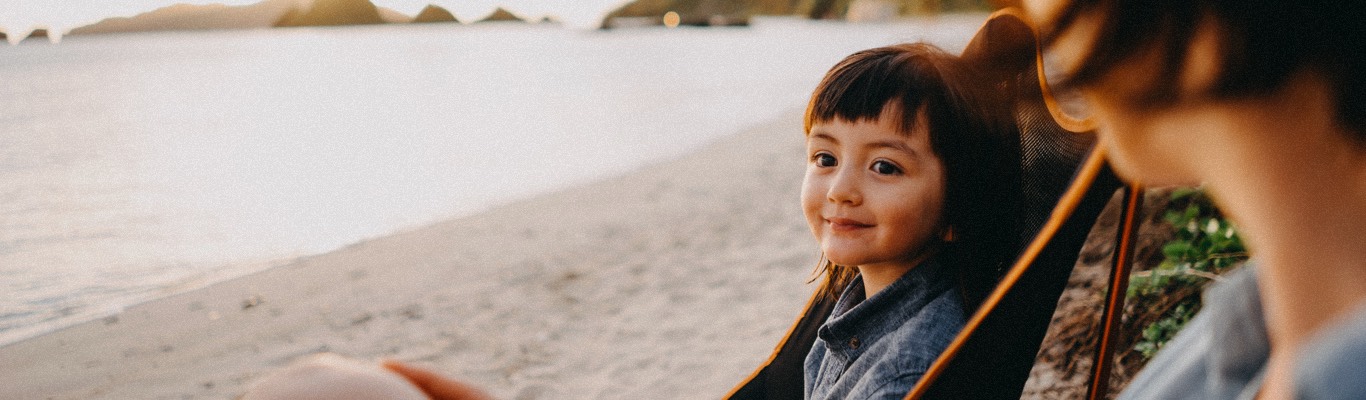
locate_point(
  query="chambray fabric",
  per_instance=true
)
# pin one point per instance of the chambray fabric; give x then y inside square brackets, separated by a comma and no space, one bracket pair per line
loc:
[879,347]
[1222,353]
[1333,365]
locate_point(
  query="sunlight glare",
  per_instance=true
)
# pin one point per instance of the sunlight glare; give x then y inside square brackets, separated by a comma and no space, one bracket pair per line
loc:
[671,19]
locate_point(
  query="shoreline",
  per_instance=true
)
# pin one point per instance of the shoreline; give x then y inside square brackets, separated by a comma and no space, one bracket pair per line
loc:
[90,313]
[679,275]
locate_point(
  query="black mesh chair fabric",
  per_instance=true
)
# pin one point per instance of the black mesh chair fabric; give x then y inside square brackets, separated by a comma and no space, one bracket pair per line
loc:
[995,360]
[781,377]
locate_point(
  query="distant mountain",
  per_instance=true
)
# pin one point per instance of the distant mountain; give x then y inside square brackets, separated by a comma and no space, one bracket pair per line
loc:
[266,14]
[434,13]
[39,35]
[333,13]
[501,15]
[270,13]
[181,17]
[393,17]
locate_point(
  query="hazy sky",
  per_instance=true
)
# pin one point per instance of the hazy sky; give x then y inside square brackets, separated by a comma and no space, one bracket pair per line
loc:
[19,16]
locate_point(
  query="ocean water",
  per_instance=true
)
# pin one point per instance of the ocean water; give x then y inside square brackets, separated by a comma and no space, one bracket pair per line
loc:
[137,166]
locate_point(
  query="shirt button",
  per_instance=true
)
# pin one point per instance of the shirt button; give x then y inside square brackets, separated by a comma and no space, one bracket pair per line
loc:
[854,343]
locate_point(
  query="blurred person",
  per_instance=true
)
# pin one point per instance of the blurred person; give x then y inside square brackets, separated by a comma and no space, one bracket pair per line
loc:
[1262,103]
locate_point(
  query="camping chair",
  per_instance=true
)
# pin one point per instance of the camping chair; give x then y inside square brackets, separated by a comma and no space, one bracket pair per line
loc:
[1065,186]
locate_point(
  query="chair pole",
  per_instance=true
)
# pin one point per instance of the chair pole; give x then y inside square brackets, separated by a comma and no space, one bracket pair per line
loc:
[1113,314]
[1086,176]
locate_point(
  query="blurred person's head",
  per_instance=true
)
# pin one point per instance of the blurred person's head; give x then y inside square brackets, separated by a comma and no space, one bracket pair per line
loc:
[1150,68]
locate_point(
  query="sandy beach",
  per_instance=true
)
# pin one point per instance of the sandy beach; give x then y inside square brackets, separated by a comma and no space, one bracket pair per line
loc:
[675,280]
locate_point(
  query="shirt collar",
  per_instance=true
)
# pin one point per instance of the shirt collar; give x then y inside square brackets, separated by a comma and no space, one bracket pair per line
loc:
[856,320]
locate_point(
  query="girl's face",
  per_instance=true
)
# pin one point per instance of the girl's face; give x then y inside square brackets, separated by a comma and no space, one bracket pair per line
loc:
[872,195]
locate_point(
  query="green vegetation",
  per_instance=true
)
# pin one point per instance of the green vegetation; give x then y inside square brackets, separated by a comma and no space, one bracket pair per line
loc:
[1204,245]
[1158,333]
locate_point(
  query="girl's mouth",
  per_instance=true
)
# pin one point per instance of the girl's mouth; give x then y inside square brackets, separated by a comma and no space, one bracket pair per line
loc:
[846,225]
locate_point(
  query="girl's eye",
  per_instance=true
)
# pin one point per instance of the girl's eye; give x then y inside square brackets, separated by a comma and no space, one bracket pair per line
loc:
[824,160]
[886,168]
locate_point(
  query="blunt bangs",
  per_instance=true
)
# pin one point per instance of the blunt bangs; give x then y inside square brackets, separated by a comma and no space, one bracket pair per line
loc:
[864,85]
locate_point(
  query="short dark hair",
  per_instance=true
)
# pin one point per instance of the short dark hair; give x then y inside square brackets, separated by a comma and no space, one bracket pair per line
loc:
[1262,45]
[971,130]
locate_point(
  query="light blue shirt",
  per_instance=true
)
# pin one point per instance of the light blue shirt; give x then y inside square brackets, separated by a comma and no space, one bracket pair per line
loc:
[879,348]
[1222,353]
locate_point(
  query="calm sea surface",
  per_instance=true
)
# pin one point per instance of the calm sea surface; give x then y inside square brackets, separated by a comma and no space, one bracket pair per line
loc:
[136,166]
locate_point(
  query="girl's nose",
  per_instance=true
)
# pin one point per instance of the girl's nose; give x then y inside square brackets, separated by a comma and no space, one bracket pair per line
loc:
[844,189]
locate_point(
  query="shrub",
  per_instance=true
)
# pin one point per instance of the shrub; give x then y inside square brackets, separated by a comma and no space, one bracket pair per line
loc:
[1204,245]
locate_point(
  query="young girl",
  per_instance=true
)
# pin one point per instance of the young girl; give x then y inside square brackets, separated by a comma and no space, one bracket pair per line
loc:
[911,189]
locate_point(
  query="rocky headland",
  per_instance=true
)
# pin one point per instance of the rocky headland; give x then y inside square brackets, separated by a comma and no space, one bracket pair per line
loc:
[502,15]
[189,17]
[270,14]
[39,35]
[433,13]
[333,13]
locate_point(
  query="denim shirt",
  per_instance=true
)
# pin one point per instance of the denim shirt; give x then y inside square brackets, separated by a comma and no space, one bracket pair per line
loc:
[880,347]
[1222,352]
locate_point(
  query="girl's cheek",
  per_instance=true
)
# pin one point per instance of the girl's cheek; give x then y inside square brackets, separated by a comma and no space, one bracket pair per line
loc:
[807,202]
[812,198]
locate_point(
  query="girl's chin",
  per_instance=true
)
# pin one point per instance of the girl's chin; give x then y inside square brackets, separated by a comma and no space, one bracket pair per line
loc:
[843,259]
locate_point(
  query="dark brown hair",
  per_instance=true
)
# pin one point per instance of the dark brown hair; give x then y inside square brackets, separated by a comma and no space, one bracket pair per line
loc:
[1262,45]
[971,130]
